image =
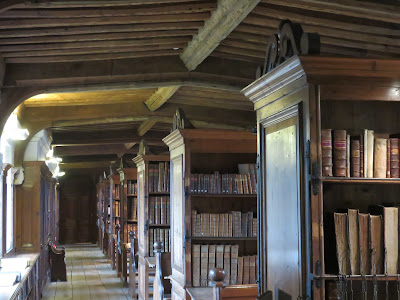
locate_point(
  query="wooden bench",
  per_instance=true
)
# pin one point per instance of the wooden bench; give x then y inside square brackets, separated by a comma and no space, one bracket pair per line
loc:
[58,269]
[162,284]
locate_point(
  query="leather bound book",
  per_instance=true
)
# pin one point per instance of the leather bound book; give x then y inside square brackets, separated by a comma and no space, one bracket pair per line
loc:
[204,265]
[162,210]
[394,158]
[388,158]
[341,233]
[370,154]
[227,263]
[244,224]
[326,145]
[252,269]
[354,246]
[348,155]
[221,226]
[240,271]
[234,264]
[355,158]
[211,258]
[380,155]
[376,244]
[157,210]
[168,209]
[250,224]
[363,232]
[219,256]
[194,219]
[339,153]
[246,269]
[391,239]
[362,155]
[196,265]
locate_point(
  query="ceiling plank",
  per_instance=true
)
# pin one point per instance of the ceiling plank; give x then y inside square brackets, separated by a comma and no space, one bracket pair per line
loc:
[96,44]
[114,36]
[146,125]
[86,165]
[40,23]
[222,22]
[91,150]
[81,30]
[172,8]
[96,3]
[160,97]
[129,145]
[351,8]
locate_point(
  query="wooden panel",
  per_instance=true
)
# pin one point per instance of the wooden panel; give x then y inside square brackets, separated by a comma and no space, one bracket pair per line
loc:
[283,209]
[142,242]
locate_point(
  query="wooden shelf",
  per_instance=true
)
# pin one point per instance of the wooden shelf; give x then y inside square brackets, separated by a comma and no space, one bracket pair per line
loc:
[360,180]
[379,277]
[131,221]
[159,225]
[159,194]
[131,195]
[212,238]
[224,195]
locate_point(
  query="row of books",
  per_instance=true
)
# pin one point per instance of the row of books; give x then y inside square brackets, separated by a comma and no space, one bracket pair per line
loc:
[159,210]
[368,243]
[159,177]
[233,224]
[366,154]
[131,187]
[238,270]
[130,227]
[132,208]
[117,191]
[161,235]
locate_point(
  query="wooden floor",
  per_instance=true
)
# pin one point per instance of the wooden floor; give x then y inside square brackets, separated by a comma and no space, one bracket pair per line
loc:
[89,276]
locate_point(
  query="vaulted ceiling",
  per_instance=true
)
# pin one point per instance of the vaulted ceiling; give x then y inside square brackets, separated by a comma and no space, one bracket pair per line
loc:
[106,74]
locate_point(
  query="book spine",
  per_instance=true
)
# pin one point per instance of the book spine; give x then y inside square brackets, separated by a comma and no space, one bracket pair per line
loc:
[370,154]
[394,158]
[388,158]
[380,155]
[339,153]
[203,265]
[326,145]
[227,263]
[196,265]
[355,158]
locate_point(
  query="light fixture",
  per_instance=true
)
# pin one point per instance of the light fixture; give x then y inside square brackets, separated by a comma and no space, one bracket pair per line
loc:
[175,48]
[12,129]
[60,174]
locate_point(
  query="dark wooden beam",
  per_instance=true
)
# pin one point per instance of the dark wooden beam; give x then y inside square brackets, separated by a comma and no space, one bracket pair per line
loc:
[54,22]
[96,3]
[91,150]
[162,9]
[160,97]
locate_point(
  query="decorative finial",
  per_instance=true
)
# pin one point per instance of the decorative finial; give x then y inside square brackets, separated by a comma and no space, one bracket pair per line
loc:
[291,40]
[158,246]
[180,121]
[217,277]
[143,148]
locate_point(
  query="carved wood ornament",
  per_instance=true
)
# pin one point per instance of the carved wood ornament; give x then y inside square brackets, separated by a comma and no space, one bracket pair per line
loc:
[180,121]
[290,40]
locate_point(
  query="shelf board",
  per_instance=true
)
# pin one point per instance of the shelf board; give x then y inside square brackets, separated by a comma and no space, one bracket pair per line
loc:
[159,194]
[159,225]
[379,277]
[117,199]
[212,238]
[224,195]
[131,195]
[360,180]
[131,221]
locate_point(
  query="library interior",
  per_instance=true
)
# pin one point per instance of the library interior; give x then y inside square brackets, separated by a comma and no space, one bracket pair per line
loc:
[199,149]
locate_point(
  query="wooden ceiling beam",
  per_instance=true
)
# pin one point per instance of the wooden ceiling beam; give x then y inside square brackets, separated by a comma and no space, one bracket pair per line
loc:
[351,8]
[111,36]
[162,9]
[273,12]
[51,22]
[6,5]
[86,165]
[91,150]
[160,97]
[222,22]
[147,125]
[101,49]
[88,30]
[96,3]
[179,40]
[91,57]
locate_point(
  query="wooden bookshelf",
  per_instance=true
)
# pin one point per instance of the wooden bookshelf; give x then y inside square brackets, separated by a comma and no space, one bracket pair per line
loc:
[146,191]
[115,197]
[104,215]
[299,98]
[197,151]
[128,222]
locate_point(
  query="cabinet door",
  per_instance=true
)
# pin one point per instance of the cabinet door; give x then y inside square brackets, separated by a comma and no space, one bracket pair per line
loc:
[281,204]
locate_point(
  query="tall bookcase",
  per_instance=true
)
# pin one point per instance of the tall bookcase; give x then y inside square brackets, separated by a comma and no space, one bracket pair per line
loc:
[104,214]
[196,151]
[148,169]
[295,102]
[115,200]
[128,222]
